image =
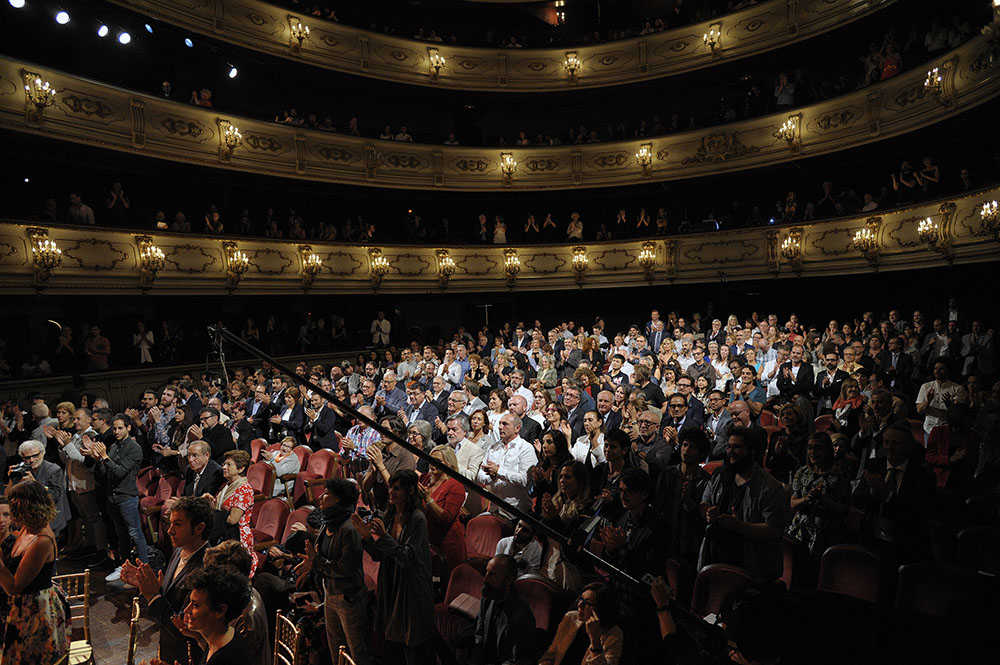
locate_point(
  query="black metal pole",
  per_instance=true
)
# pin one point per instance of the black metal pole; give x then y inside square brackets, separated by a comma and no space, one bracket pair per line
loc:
[224,334]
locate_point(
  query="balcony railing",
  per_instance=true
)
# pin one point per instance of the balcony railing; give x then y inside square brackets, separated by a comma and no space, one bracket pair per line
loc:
[96,260]
[268,28]
[97,114]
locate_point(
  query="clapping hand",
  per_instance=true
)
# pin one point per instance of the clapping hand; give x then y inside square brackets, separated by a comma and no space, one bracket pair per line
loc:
[98,450]
[661,592]
[613,538]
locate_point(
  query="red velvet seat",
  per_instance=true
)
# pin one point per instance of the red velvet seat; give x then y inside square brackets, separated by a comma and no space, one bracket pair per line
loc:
[917,428]
[943,591]
[541,595]
[850,570]
[768,418]
[151,506]
[823,423]
[270,525]
[145,480]
[370,567]
[711,467]
[297,515]
[256,446]
[321,465]
[979,548]
[303,453]
[464,579]
[482,533]
[261,478]
[714,584]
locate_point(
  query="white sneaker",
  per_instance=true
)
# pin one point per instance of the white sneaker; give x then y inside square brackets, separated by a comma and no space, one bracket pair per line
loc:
[115,575]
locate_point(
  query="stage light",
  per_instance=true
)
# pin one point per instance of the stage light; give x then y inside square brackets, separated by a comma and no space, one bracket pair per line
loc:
[124,38]
[62,18]
[103,31]
[17,4]
[233,72]
[27,179]
[149,28]
[188,42]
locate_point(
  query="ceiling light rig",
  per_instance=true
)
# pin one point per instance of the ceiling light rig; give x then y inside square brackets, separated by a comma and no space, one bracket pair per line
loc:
[124,38]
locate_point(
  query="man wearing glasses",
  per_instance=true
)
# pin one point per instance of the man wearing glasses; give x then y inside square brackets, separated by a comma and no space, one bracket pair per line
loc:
[213,433]
[49,474]
[648,445]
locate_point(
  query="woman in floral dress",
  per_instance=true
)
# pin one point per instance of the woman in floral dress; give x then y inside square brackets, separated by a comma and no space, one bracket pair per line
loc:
[36,630]
[235,499]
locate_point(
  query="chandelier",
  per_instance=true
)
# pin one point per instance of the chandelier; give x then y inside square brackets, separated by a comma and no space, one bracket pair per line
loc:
[572,64]
[312,264]
[511,265]
[644,155]
[508,165]
[446,266]
[298,30]
[580,262]
[436,60]
[647,258]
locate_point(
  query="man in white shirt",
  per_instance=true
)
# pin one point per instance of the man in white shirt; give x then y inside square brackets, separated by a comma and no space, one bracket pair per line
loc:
[470,455]
[505,467]
[516,387]
[771,370]
[685,358]
[935,397]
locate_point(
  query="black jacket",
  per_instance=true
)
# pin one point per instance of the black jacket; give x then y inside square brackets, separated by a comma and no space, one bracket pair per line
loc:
[800,384]
[210,482]
[260,420]
[172,599]
[832,390]
[116,475]
[221,440]
[323,429]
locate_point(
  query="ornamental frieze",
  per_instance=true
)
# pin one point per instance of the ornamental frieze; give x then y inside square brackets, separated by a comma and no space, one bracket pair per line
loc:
[263,27]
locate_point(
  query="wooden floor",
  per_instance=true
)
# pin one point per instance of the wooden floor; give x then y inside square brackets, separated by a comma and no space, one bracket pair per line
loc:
[110,605]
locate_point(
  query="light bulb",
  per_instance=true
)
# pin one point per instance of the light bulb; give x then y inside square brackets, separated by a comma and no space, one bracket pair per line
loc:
[188,42]
[17,4]
[149,28]
[103,31]
[62,18]
[124,38]
[233,72]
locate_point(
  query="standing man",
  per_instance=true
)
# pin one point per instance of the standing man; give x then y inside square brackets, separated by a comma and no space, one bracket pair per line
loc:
[505,468]
[82,487]
[827,389]
[49,474]
[936,396]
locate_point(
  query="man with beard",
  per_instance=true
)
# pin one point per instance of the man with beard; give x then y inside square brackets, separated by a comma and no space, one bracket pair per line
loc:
[745,509]
[523,547]
[505,625]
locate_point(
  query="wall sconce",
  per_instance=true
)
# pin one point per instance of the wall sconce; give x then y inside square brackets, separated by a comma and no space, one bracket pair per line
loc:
[436,61]
[644,155]
[446,266]
[580,262]
[572,64]
[647,258]
[989,216]
[39,95]
[508,165]
[934,82]
[378,266]
[45,255]
[230,139]
[791,246]
[928,231]
[299,32]
[237,263]
[511,265]
[312,264]
[151,261]
[866,239]
[713,36]
[789,130]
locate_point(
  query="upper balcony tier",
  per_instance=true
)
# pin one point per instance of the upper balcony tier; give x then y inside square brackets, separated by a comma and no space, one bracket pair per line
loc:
[271,29]
[96,114]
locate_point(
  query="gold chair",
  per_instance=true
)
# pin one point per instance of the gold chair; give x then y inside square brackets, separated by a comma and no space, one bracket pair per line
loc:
[77,588]
[343,658]
[287,638]
[133,631]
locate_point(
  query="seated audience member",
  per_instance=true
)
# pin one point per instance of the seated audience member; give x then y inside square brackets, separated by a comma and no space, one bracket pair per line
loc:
[290,419]
[217,596]
[746,514]
[505,626]
[386,458]
[166,596]
[203,475]
[252,623]
[285,463]
[234,503]
[565,509]
[505,466]
[819,500]
[442,498]
[214,433]
[543,477]
[524,547]
[589,634]
[677,499]
[404,608]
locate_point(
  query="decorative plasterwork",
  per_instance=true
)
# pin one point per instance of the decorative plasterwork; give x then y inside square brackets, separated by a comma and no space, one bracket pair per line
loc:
[100,260]
[186,133]
[265,27]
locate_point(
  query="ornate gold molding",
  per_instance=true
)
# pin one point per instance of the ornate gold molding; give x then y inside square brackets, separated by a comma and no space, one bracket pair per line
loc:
[100,260]
[108,117]
[265,27]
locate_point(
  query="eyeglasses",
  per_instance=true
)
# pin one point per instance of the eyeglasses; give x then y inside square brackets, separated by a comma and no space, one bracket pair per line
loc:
[650,423]
[30,457]
[583,601]
[677,406]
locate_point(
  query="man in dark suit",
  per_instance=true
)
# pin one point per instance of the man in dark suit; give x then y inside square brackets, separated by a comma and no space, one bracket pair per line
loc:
[574,410]
[189,398]
[676,419]
[259,411]
[165,594]
[418,407]
[654,396]
[322,422]
[655,336]
[49,474]
[505,626]
[204,475]
[897,365]
[215,434]
[612,419]
[695,409]
[531,431]
[439,394]
[278,386]
[796,377]
[716,334]
[717,424]
[827,387]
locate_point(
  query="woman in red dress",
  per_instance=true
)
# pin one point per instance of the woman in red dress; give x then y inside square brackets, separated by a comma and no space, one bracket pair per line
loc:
[443,497]
[236,498]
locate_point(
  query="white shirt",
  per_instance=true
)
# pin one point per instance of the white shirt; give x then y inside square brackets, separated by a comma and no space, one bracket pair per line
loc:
[953,391]
[513,460]
[582,448]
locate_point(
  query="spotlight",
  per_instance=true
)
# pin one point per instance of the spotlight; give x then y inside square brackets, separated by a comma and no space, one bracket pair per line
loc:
[62,18]
[17,4]
[124,38]
[188,42]
[148,27]
[233,72]
[103,31]
[26,179]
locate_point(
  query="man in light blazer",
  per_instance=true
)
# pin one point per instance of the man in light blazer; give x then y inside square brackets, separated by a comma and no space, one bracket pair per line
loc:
[164,593]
